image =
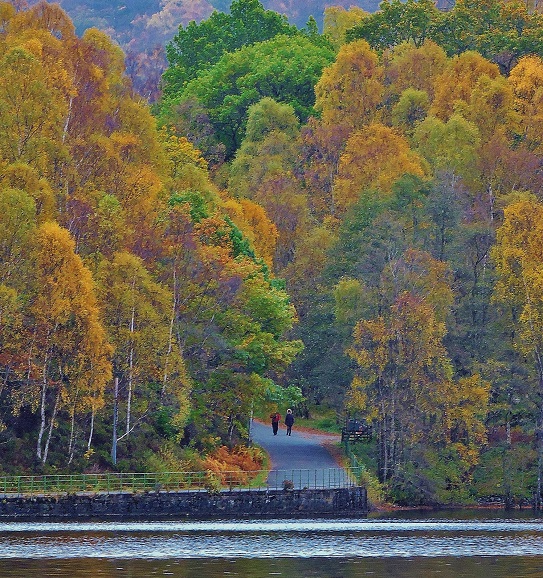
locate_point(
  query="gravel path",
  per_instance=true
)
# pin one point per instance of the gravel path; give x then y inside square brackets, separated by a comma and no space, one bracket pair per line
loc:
[301,457]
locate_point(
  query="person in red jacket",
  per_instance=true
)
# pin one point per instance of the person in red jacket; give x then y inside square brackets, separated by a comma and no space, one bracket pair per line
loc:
[275,418]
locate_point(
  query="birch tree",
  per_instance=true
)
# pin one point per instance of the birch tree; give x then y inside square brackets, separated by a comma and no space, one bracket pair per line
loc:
[71,351]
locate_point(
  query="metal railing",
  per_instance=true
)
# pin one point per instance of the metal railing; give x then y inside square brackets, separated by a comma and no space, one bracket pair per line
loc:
[356,464]
[51,485]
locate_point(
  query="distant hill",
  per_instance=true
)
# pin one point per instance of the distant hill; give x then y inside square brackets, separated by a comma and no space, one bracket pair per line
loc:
[145,23]
[144,27]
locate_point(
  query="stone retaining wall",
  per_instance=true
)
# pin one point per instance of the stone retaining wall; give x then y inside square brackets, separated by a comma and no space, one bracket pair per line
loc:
[190,505]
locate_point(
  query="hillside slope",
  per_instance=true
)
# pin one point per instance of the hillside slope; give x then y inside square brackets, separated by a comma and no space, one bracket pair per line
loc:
[142,24]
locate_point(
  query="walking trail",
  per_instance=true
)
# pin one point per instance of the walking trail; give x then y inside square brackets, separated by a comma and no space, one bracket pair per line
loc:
[302,457]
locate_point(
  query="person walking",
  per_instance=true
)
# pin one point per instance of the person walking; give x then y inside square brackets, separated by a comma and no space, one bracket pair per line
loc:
[275,419]
[289,421]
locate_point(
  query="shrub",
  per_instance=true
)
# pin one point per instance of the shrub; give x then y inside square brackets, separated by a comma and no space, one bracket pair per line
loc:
[235,466]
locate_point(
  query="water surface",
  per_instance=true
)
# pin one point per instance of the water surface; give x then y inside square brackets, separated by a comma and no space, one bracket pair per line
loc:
[403,546]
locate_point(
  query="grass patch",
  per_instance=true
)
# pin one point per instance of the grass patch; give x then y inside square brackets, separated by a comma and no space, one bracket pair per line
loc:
[323,420]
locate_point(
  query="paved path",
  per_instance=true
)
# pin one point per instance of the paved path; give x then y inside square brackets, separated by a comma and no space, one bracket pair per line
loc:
[301,457]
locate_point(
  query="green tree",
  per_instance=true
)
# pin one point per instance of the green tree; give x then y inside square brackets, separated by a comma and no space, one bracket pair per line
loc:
[500,31]
[284,68]
[448,146]
[396,22]
[410,109]
[18,223]
[230,319]
[200,46]
[264,171]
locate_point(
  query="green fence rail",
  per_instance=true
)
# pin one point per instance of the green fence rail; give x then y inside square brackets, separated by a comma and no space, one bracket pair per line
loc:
[356,464]
[51,485]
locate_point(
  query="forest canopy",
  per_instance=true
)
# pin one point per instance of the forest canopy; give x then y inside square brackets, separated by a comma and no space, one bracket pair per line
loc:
[351,219]
[120,260]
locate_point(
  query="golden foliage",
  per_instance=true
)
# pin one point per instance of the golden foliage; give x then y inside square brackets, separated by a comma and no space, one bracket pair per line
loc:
[453,88]
[238,465]
[526,79]
[411,67]
[375,158]
[337,20]
[350,89]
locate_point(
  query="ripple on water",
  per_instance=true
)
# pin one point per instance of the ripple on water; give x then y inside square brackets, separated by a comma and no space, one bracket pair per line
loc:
[273,539]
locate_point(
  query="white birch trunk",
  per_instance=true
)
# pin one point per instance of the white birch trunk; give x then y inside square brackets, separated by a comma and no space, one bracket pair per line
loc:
[130,372]
[91,432]
[42,408]
[51,426]
[170,335]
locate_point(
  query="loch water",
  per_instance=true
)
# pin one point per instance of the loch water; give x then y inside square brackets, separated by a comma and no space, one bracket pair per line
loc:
[475,544]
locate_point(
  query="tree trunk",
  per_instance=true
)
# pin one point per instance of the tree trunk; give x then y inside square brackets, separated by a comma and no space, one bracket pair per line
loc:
[384,443]
[393,458]
[230,428]
[68,117]
[130,372]
[115,419]
[51,425]
[72,430]
[71,443]
[170,335]
[91,432]
[42,407]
